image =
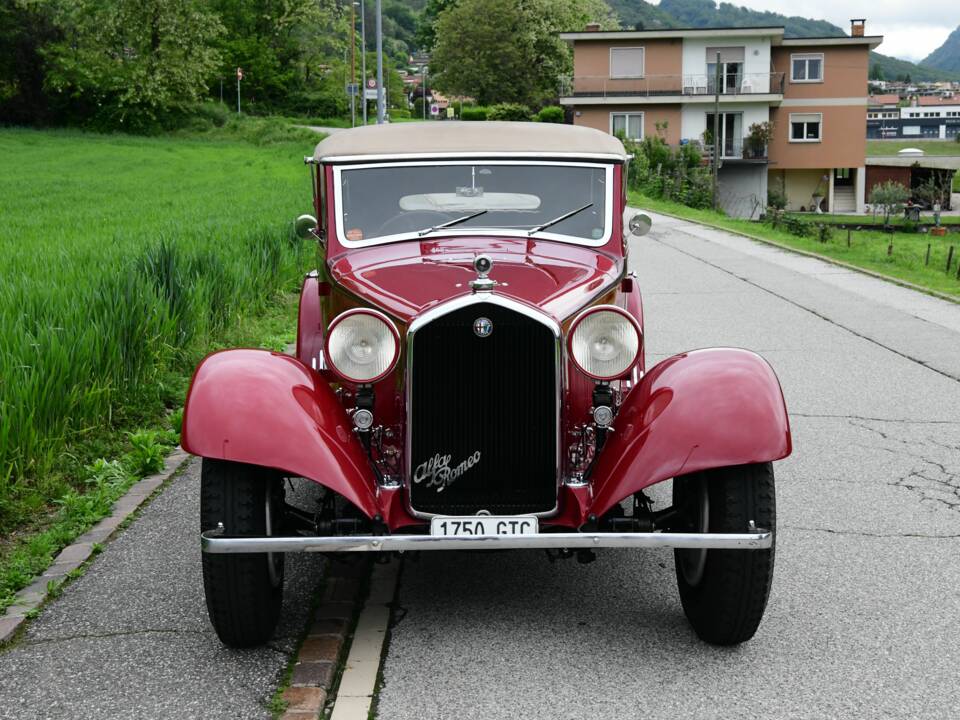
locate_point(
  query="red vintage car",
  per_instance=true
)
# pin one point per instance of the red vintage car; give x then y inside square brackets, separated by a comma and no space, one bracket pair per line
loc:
[469,374]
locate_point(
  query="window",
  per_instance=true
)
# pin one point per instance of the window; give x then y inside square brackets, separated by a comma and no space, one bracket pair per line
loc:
[873,115]
[806,127]
[630,124]
[626,62]
[913,114]
[806,68]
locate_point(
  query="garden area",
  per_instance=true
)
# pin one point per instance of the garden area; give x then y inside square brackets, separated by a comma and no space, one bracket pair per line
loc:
[932,263]
[125,261]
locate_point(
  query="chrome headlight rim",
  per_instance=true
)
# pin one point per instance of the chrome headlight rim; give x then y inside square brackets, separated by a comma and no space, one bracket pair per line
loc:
[379,316]
[583,315]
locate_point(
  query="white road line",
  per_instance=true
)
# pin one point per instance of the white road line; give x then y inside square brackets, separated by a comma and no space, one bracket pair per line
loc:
[363,663]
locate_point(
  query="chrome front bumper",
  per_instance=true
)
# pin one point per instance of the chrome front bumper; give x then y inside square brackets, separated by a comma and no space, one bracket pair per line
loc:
[214,542]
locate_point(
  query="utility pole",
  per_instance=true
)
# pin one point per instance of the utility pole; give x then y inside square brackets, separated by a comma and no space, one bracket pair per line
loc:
[380,104]
[363,57]
[353,64]
[716,135]
[423,88]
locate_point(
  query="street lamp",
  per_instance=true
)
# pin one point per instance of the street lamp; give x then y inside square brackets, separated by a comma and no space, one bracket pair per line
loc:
[353,64]
[380,98]
[363,56]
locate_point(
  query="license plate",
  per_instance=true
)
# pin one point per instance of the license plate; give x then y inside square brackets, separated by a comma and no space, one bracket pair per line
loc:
[445,526]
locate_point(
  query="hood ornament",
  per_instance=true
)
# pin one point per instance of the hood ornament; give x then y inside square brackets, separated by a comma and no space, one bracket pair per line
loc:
[483,264]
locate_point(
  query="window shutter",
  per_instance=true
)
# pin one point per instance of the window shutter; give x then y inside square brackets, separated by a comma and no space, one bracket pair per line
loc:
[626,62]
[727,54]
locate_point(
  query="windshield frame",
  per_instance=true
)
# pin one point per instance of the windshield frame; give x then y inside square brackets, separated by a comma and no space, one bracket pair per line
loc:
[460,230]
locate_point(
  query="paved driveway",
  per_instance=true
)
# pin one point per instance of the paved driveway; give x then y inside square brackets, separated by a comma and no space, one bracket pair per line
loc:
[131,639]
[864,617]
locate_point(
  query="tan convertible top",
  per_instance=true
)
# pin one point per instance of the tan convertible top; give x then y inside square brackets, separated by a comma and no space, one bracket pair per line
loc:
[449,138]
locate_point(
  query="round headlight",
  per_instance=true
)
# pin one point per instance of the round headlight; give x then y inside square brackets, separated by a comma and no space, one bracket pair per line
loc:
[604,342]
[362,345]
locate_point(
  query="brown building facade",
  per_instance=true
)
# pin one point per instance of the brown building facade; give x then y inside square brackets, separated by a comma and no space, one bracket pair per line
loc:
[664,82]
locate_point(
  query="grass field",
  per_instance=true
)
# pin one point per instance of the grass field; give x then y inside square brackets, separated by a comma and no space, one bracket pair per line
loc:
[880,148]
[124,261]
[925,217]
[868,249]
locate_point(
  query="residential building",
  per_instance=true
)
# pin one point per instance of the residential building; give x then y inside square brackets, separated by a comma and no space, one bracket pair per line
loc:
[813,91]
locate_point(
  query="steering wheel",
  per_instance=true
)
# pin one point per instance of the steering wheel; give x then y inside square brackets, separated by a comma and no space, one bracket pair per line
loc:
[413,220]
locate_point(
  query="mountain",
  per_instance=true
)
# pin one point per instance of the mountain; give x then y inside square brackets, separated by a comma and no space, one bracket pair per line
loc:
[947,56]
[707,14]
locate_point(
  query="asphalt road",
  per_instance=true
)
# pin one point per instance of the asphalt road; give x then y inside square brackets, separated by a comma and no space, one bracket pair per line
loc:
[864,616]
[131,639]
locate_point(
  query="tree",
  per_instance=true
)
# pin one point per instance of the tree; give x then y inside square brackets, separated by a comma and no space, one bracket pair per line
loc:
[508,51]
[891,196]
[426,35]
[133,59]
[876,72]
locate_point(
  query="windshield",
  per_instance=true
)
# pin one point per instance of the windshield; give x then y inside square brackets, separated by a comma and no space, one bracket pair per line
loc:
[379,203]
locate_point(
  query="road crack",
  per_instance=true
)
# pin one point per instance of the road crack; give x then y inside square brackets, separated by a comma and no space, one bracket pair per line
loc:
[831,531]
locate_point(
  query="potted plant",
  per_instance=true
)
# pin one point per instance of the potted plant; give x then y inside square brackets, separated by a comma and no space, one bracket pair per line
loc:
[759,139]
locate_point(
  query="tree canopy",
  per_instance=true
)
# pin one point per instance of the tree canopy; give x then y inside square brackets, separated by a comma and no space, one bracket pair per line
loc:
[508,51]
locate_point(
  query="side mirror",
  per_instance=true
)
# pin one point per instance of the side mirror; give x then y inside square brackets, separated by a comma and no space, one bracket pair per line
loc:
[640,224]
[304,226]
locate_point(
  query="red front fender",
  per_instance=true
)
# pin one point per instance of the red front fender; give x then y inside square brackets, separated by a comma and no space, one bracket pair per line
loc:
[264,408]
[699,410]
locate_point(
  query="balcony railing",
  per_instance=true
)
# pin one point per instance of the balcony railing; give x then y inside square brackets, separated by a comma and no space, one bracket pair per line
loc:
[662,85]
[734,149]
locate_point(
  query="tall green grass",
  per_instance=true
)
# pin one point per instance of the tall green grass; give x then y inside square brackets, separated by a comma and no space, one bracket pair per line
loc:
[121,262]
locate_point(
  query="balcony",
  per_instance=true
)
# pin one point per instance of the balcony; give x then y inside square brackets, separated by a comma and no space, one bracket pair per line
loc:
[735,149]
[663,86]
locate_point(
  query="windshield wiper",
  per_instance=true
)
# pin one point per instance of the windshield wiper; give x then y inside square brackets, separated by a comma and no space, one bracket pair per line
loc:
[563,217]
[427,231]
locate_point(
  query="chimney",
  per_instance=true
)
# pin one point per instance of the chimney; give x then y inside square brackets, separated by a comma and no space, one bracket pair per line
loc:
[592,27]
[857,26]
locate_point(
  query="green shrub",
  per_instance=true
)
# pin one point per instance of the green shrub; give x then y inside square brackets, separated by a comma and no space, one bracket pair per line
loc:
[550,114]
[147,455]
[399,113]
[824,232]
[474,113]
[509,111]
[796,226]
[677,174]
[776,198]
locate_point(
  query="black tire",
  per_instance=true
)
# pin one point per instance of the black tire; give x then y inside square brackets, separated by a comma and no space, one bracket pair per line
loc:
[724,592]
[244,592]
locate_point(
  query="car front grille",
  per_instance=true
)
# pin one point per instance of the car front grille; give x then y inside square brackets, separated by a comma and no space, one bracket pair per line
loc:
[483,414]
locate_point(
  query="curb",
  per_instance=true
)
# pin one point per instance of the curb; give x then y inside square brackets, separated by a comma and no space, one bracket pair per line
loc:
[317,661]
[872,273]
[84,547]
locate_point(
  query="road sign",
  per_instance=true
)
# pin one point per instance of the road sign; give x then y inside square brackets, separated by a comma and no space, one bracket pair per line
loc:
[353,89]
[369,94]
[239,73]
[434,109]
[372,83]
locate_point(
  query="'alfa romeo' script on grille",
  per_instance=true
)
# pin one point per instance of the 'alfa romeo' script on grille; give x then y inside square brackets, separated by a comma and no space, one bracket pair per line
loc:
[436,472]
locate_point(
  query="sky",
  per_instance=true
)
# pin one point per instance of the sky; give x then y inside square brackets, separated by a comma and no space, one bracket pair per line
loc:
[911,30]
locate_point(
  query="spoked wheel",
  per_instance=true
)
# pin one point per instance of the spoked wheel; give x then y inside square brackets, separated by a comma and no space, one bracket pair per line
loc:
[244,592]
[724,592]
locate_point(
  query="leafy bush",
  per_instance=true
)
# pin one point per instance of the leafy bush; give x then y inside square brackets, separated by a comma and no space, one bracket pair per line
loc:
[509,111]
[776,198]
[473,113]
[147,455]
[400,113]
[677,174]
[824,232]
[891,196]
[550,114]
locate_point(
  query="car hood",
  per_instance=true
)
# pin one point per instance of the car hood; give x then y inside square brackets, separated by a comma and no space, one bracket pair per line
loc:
[406,278]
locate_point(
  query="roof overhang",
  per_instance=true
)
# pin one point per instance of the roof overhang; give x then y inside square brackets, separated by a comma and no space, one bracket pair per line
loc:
[872,41]
[774,32]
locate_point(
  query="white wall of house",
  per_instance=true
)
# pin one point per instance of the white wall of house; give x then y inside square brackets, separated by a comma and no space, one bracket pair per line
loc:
[756,58]
[693,117]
